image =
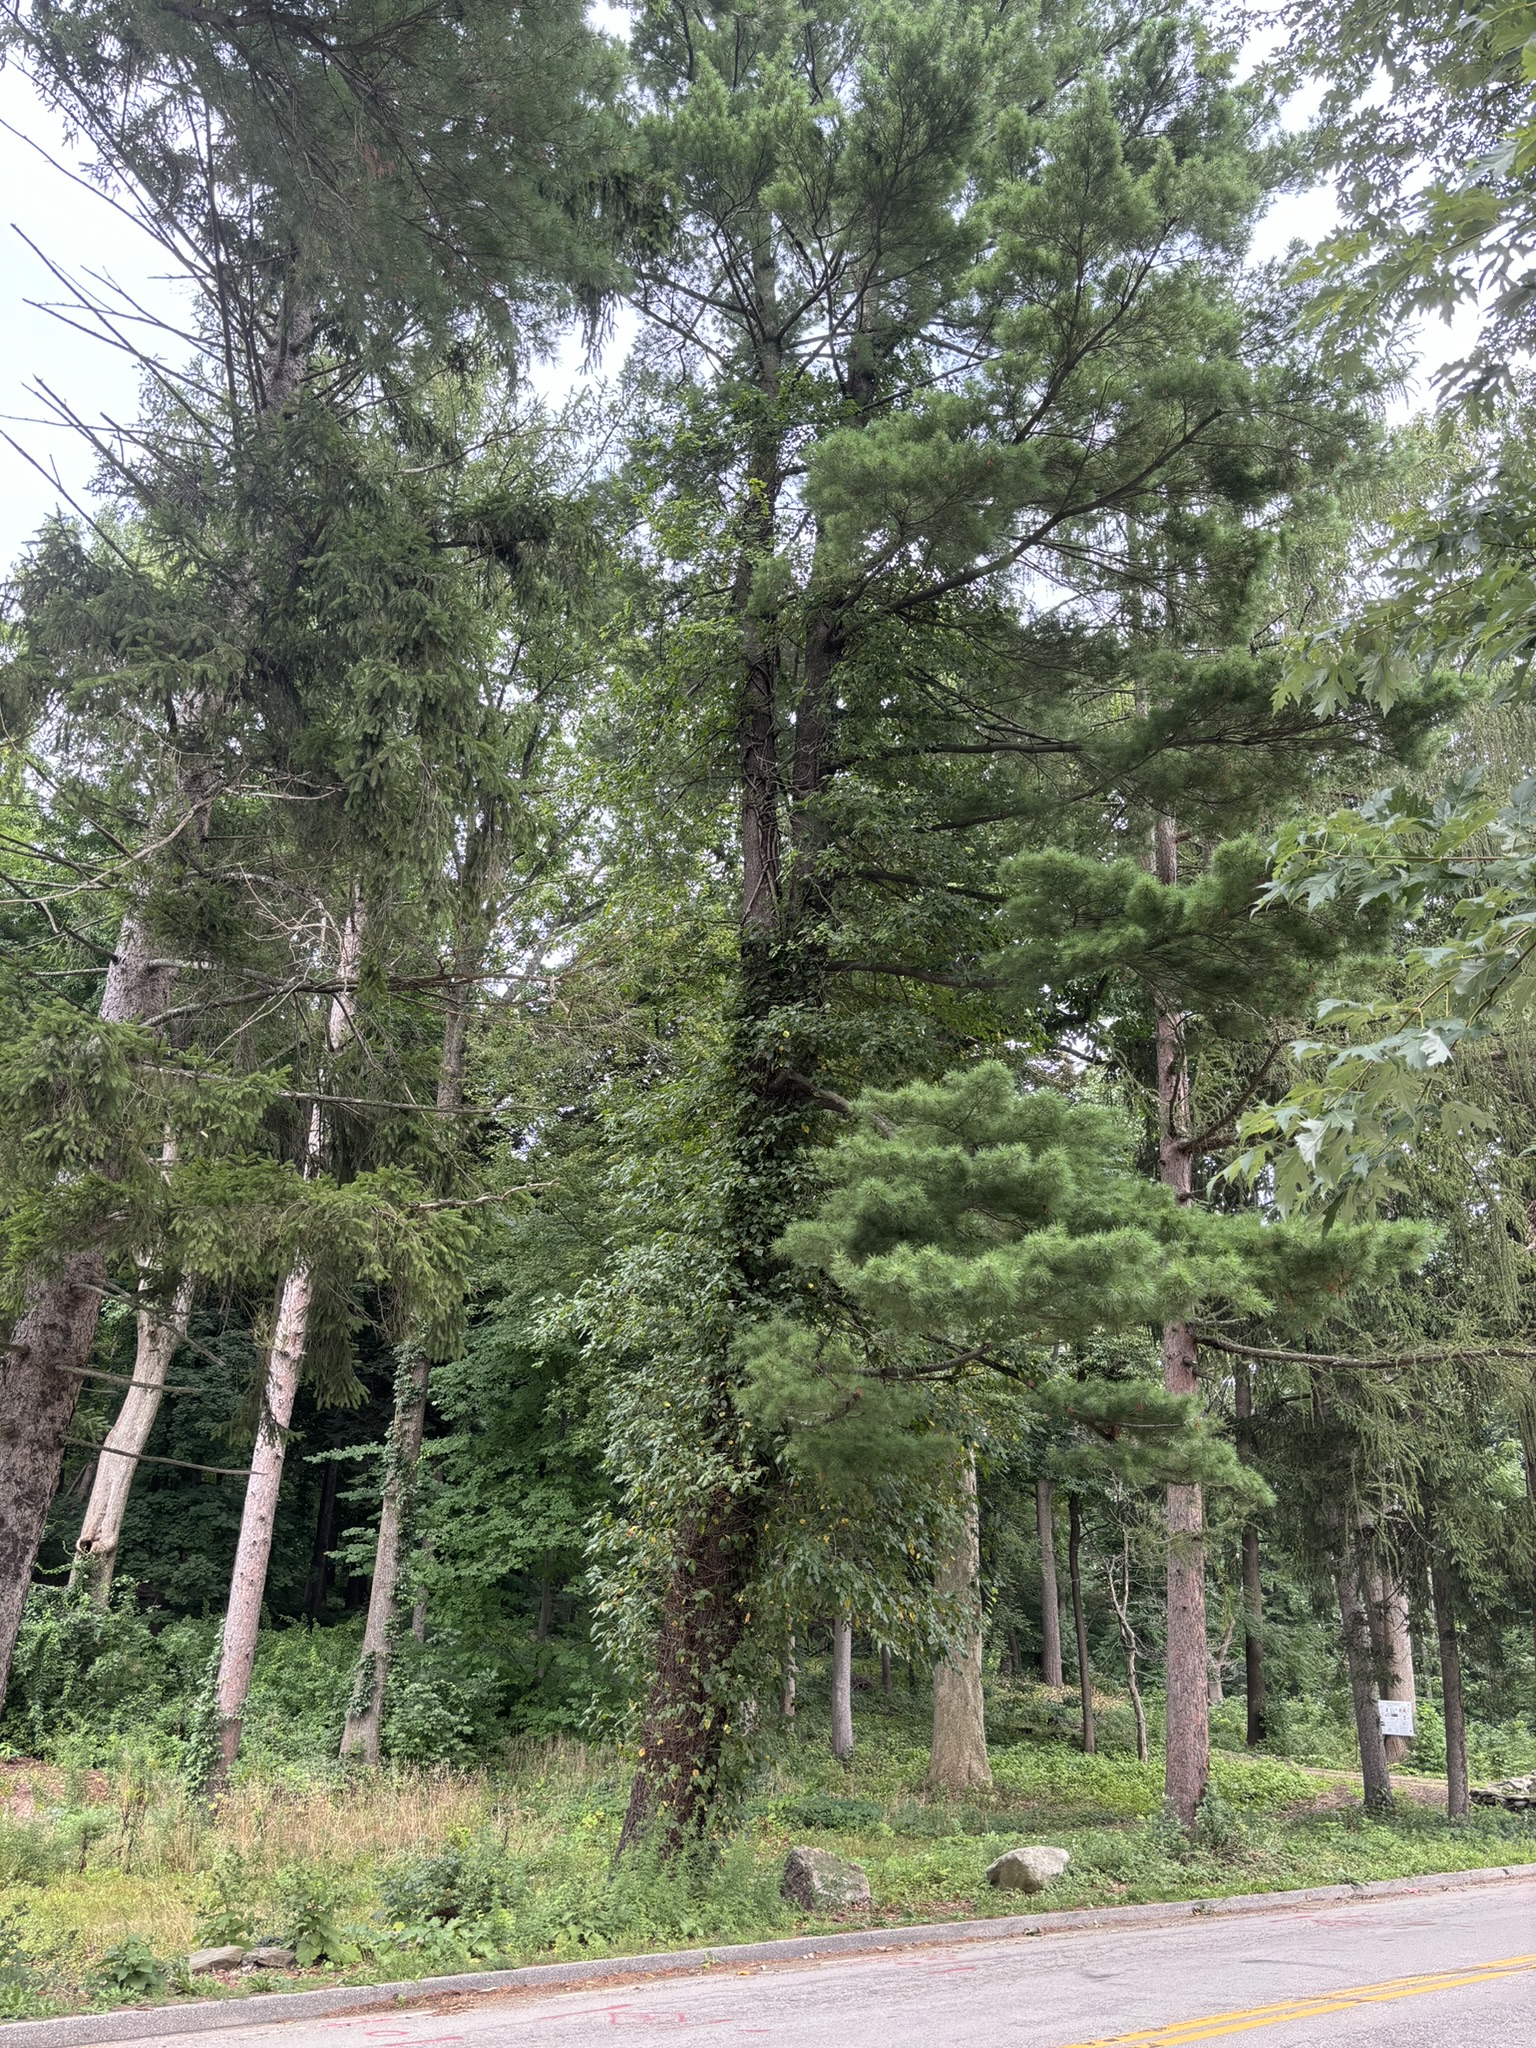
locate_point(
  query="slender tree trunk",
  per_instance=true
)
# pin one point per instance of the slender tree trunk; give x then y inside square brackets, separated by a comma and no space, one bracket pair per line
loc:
[1120,1595]
[546,1601]
[1458,1803]
[159,1334]
[285,1363]
[1187,1747]
[1050,1596]
[958,1758]
[885,1670]
[1079,1620]
[842,1688]
[787,1686]
[50,1344]
[363,1732]
[1253,1590]
[1376,1783]
[365,1716]
[320,1554]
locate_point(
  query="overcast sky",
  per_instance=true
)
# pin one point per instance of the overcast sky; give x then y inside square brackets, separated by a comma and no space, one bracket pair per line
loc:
[81,232]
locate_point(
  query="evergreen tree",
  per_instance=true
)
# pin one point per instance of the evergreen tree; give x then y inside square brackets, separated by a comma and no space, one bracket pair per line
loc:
[906,255]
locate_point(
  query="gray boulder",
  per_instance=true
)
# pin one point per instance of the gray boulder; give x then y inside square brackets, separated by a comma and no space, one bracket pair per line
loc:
[1028,1870]
[202,1960]
[819,1882]
[272,1956]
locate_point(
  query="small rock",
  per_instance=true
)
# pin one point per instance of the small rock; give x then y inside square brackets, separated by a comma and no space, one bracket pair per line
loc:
[202,1960]
[817,1881]
[1030,1869]
[271,1957]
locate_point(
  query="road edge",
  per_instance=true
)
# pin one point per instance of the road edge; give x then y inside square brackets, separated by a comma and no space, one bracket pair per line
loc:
[139,2023]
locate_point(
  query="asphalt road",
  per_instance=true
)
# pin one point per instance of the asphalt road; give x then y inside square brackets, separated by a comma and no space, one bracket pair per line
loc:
[1454,1970]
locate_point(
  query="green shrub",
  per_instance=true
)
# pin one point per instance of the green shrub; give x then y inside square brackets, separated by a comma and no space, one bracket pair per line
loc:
[465,1881]
[130,1969]
[312,1905]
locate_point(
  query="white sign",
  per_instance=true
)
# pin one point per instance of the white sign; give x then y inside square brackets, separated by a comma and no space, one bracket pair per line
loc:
[1396,1717]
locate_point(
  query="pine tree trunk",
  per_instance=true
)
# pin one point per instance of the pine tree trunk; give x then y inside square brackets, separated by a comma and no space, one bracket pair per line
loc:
[1187,1746]
[958,1757]
[1376,1783]
[364,1728]
[842,1688]
[40,1369]
[95,1559]
[1079,1620]
[1458,1803]
[1050,1596]
[1253,1590]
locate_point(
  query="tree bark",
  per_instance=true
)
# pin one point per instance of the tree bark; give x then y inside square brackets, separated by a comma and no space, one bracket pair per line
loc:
[1120,1595]
[95,1559]
[1458,1803]
[1050,1595]
[1392,1644]
[40,1369]
[958,1757]
[1079,1620]
[842,1688]
[1187,1745]
[885,1670]
[1253,1590]
[320,1553]
[285,1363]
[364,1728]
[787,1684]
[686,1713]
[248,1583]
[1376,1783]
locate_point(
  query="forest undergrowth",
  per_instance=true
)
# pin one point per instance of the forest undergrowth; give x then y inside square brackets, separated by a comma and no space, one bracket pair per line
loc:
[111,1873]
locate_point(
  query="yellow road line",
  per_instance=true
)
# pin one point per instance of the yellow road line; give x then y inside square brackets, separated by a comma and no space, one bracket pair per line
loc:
[1174,2033]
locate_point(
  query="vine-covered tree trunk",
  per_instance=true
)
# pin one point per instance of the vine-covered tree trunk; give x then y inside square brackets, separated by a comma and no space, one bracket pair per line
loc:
[1376,1782]
[159,1334]
[1050,1594]
[842,1688]
[958,1760]
[686,1709]
[1079,1619]
[1187,1740]
[50,1344]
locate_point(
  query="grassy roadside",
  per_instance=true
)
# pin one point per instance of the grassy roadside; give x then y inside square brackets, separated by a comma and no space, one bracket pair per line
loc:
[108,1878]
